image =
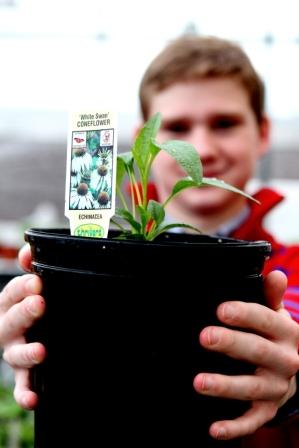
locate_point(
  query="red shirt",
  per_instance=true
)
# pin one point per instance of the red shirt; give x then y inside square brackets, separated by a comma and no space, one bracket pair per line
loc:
[284,258]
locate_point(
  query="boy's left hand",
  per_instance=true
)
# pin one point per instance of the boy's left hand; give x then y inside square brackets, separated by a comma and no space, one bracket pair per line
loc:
[273,348]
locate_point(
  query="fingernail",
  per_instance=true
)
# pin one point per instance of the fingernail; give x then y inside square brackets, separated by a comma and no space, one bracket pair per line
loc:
[24,402]
[207,382]
[221,433]
[35,359]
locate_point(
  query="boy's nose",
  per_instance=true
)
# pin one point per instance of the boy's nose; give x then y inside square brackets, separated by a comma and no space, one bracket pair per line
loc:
[202,139]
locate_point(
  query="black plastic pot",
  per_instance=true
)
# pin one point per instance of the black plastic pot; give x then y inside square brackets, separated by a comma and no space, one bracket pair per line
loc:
[121,331]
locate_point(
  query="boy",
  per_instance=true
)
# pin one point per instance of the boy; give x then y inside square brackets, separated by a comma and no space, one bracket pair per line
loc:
[208,94]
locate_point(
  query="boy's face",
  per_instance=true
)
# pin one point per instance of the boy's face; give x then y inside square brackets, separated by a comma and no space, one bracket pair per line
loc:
[215,116]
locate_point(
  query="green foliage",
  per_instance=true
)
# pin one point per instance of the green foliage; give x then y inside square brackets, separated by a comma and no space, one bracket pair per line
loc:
[16,424]
[146,219]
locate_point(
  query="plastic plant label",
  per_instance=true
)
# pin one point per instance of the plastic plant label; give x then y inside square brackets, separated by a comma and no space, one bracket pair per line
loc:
[91,173]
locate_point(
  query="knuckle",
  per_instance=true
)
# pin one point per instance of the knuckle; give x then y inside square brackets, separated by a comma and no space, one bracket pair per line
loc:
[28,355]
[25,356]
[7,357]
[255,391]
[292,361]
[261,350]
[282,389]
[22,355]
[27,307]
[268,323]
[12,292]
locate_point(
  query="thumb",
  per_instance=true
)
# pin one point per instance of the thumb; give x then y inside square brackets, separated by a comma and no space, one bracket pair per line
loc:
[275,284]
[25,257]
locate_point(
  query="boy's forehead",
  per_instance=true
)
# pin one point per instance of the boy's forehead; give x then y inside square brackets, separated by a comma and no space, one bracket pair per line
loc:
[207,96]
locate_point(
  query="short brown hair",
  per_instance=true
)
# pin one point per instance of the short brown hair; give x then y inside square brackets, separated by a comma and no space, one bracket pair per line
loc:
[194,57]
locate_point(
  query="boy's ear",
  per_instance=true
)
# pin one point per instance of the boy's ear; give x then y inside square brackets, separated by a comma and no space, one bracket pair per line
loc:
[265,130]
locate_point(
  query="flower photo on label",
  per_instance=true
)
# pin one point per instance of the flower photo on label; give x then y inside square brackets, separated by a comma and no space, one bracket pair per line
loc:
[91,170]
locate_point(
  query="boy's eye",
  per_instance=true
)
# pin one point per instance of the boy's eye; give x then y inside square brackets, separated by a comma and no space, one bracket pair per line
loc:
[223,123]
[176,127]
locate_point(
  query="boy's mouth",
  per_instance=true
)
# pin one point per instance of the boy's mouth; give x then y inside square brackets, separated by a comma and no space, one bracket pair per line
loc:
[212,173]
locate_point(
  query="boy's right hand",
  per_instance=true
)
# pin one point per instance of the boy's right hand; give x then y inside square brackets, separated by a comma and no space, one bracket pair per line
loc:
[20,306]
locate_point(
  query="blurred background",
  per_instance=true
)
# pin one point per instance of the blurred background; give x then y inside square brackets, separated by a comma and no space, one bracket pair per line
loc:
[63,54]
[58,55]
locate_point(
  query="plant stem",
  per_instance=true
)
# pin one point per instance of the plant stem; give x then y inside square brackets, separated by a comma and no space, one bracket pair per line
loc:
[145,178]
[132,194]
[151,230]
[134,185]
[122,198]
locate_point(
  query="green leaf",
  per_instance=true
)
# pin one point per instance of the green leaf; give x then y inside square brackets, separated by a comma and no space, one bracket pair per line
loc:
[120,171]
[156,211]
[127,158]
[144,145]
[127,216]
[183,184]
[186,155]
[124,164]
[144,216]
[213,182]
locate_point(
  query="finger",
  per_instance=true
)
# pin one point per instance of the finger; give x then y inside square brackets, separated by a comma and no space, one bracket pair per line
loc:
[25,257]
[19,288]
[260,319]
[251,348]
[275,285]
[24,355]
[260,413]
[241,387]
[23,395]
[20,317]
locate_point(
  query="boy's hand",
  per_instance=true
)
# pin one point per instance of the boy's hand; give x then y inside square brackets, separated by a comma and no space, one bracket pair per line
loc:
[20,306]
[273,349]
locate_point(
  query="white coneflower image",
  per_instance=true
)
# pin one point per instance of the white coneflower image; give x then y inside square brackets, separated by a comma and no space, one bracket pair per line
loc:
[101,178]
[103,200]
[82,160]
[81,198]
